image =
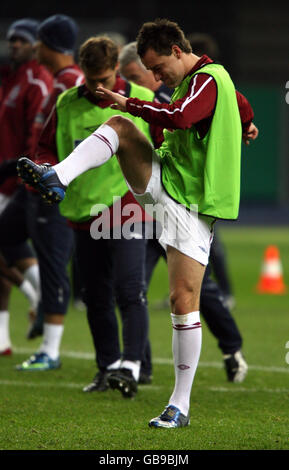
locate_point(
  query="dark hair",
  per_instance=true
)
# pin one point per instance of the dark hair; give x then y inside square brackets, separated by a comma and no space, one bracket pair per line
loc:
[160,35]
[98,53]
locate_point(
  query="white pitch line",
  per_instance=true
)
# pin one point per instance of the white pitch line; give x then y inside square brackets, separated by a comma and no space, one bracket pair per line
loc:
[39,384]
[16,383]
[243,389]
[157,360]
[234,389]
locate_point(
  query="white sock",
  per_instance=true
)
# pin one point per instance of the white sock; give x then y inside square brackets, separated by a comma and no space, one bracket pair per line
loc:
[114,365]
[30,293]
[92,152]
[134,366]
[5,341]
[32,274]
[52,335]
[187,341]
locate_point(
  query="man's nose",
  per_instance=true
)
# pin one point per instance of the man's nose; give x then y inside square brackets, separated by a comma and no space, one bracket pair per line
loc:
[157,76]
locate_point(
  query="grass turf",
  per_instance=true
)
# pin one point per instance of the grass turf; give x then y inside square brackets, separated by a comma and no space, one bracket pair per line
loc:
[49,411]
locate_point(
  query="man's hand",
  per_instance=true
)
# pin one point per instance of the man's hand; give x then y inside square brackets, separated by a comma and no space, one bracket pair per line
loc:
[119,100]
[251,134]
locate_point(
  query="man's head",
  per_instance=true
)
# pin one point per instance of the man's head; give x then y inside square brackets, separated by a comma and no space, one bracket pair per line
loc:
[132,68]
[118,38]
[56,35]
[164,50]
[22,35]
[98,58]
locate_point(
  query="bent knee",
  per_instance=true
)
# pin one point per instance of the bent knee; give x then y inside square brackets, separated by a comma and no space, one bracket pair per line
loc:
[126,296]
[184,299]
[121,124]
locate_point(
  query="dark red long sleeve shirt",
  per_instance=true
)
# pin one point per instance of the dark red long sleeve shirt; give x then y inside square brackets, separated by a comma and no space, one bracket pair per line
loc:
[47,151]
[21,95]
[64,79]
[195,108]
[181,114]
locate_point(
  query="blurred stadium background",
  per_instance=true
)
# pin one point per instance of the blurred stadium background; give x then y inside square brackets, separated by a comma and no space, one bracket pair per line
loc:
[254,44]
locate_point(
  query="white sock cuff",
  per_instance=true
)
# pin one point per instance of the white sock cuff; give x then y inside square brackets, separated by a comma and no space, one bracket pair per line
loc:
[134,366]
[30,293]
[52,336]
[33,275]
[188,321]
[5,341]
[50,328]
[4,314]
[110,136]
[114,365]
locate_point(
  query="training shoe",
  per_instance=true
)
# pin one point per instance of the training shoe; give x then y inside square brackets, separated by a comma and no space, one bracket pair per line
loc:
[43,178]
[171,417]
[144,379]
[39,362]
[236,367]
[6,352]
[123,380]
[99,383]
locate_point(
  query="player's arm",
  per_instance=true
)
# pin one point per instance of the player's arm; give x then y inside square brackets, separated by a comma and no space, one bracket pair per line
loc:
[250,131]
[33,101]
[196,105]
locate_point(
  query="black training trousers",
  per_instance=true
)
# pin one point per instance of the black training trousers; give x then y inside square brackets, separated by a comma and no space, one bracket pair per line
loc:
[112,273]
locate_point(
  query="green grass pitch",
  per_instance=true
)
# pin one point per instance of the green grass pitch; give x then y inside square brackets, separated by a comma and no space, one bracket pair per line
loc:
[49,411]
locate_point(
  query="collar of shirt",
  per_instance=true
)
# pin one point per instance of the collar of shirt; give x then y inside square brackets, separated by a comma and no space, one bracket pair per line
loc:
[69,67]
[204,60]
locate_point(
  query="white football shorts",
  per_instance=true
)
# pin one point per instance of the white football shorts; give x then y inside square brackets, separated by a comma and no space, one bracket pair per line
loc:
[183,229]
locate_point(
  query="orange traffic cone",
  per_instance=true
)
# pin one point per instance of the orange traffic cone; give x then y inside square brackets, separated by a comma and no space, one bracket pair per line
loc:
[271,280]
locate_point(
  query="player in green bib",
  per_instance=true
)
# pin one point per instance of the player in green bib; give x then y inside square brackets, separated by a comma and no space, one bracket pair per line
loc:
[193,179]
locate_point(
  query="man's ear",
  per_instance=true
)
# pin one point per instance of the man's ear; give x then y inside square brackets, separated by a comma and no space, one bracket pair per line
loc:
[176,51]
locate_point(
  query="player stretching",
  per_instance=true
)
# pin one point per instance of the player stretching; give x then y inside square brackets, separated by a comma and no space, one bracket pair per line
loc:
[197,164]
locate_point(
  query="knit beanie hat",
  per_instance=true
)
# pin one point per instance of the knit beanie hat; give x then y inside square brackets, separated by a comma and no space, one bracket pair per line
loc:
[25,28]
[59,32]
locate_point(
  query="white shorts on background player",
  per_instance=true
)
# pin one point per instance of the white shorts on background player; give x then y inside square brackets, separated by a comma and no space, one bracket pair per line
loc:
[4,201]
[185,230]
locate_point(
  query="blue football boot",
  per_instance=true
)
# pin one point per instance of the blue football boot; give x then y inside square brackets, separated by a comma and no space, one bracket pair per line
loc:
[43,178]
[171,417]
[39,362]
